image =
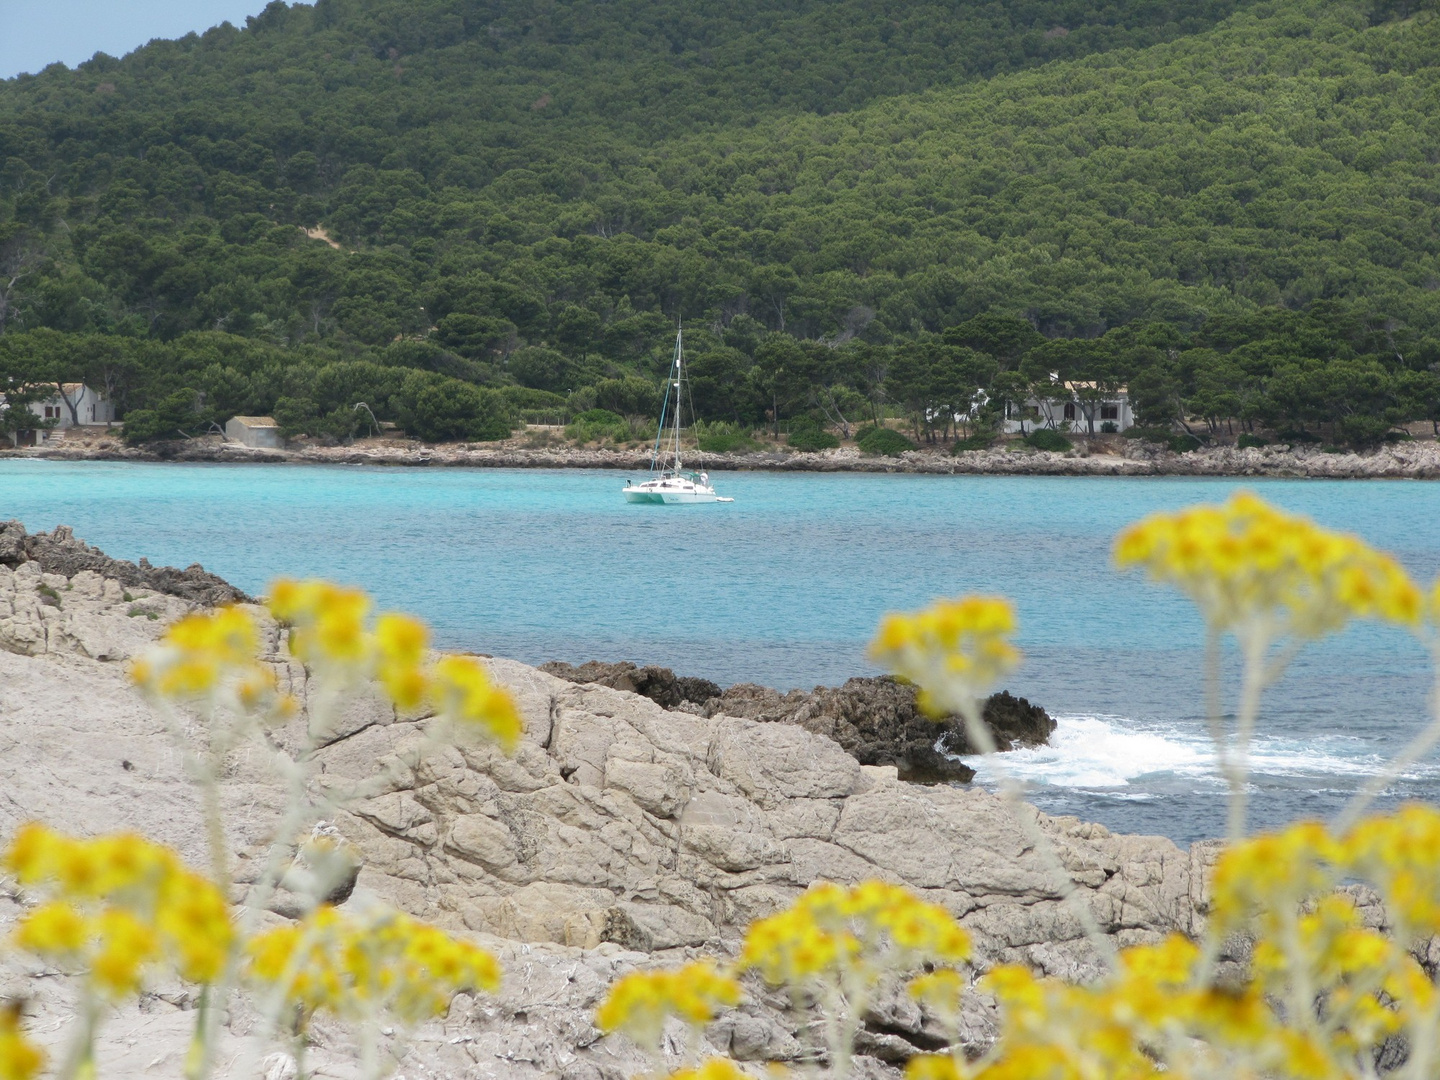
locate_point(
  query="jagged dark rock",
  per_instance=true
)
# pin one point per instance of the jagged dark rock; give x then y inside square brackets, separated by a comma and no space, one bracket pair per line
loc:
[876,720]
[660,685]
[59,552]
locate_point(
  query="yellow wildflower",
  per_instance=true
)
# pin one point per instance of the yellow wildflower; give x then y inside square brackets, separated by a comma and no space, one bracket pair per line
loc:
[328,629]
[954,650]
[639,1003]
[353,967]
[831,929]
[19,1058]
[464,693]
[1246,561]
[210,654]
[1397,853]
[118,905]
[714,1069]
[1268,872]
[935,1067]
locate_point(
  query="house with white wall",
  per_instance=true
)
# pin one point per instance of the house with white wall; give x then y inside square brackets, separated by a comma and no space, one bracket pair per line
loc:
[71,405]
[1074,406]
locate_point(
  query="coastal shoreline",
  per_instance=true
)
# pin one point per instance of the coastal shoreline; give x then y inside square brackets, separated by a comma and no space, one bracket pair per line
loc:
[1412,461]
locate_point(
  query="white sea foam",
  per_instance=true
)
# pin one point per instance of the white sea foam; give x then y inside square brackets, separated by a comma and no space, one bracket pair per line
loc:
[1106,752]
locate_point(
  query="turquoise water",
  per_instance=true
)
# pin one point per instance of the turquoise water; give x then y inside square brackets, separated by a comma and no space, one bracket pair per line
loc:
[784,587]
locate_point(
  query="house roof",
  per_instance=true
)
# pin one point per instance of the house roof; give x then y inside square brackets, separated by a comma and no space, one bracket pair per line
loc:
[255,421]
[1078,385]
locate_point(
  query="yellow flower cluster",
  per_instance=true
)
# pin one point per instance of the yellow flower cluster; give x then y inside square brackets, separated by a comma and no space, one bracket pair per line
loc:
[1159,1013]
[329,630]
[118,904]
[954,651]
[1246,560]
[639,1003]
[20,1059]
[714,1069]
[211,653]
[832,929]
[357,968]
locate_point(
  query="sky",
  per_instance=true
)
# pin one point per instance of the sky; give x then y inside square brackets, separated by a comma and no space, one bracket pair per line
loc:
[34,33]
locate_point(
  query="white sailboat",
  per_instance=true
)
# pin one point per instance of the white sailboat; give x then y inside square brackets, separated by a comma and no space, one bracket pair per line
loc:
[670,482]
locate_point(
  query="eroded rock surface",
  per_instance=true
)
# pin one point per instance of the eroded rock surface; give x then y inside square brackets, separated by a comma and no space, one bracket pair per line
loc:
[874,719]
[619,834]
[59,552]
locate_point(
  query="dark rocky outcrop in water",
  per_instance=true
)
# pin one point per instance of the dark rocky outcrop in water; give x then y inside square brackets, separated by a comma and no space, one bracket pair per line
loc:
[59,552]
[876,720]
[660,685]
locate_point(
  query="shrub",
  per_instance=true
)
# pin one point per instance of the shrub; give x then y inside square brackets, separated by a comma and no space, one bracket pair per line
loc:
[1047,439]
[974,442]
[1247,440]
[1183,444]
[592,425]
[1297,435]
[1109,427]
[807,436]
[441,409]
[630,396]
[883,441]
[1363,430]
[170,419]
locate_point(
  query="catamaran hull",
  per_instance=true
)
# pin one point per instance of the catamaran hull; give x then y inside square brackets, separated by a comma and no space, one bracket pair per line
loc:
[672,498]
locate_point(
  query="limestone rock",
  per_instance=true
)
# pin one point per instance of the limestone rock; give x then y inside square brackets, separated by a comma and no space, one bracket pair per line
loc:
[618,834]
[874,719]
[59,552]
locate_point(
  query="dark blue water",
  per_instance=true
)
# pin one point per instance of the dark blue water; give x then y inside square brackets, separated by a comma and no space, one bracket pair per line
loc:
[785,585]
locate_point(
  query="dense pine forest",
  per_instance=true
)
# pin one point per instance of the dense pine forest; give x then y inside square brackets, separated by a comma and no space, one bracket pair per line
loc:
[466,214]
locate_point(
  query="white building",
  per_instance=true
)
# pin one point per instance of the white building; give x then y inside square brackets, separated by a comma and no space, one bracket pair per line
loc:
[72,405]
[1074,406]
[257,431]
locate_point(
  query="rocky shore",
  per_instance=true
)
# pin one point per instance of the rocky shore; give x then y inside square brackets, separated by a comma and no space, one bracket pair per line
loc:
[621,834]
[875,720]
[1417,460]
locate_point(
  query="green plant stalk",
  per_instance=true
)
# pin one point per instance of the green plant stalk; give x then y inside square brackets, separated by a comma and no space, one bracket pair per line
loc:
[1236,766]
[79,1063]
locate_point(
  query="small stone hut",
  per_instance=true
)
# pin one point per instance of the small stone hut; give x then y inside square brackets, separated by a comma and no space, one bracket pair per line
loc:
[257,431]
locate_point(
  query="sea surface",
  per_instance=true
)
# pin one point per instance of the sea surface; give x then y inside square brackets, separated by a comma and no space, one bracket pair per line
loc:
[784,587]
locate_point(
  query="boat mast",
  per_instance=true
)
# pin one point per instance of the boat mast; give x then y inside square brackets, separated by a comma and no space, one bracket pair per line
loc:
[679,378]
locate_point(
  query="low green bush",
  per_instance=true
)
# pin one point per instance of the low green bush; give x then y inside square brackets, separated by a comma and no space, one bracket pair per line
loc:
[1109,427]
[809,440]
[593,425]
[1246,440]
[723,437]
[882,441]
[808,436]
[1183,444]
[1048,439]
[1296,435]
[974,442]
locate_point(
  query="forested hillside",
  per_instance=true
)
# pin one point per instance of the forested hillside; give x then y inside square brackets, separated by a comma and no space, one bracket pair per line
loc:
[855,205]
